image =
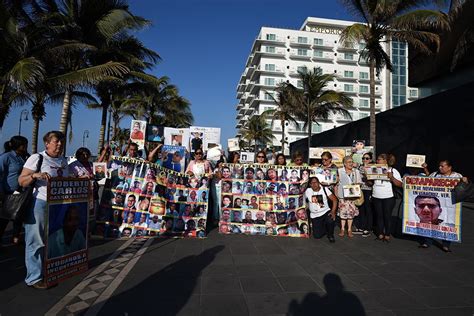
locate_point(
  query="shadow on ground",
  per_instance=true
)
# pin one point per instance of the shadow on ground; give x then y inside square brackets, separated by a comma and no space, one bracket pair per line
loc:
[336,301]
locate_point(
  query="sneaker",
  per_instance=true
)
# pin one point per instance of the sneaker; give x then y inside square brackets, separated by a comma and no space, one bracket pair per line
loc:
[40,285]
[357,231]
[365,233]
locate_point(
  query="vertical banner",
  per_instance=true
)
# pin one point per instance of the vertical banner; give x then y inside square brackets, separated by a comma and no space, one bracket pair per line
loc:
[204,137]
[66,229]
[177,136]
[428,209]
[143,199]
[263,199]
[137,133]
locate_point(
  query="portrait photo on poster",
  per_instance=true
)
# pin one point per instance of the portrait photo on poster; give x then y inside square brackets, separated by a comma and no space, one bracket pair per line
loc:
[358,146]
[351,191]
[415,161]
[67,228]
[99,170]
[137,130]
[154,133]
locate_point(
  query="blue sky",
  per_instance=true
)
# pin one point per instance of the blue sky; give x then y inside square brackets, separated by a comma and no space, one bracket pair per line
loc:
[204,45]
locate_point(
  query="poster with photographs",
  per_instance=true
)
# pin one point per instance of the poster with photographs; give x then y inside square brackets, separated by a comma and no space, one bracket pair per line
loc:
[358,146]
[177,137]
[143,199]
[137,133]
[351,191]
[173,157]
[261,199]
[337,153]
[428,209]
[315,153]
[233,144]
[376,172]
[247,157]
[155,133]
[415,161]
[324,175]
[359,154]
[66,252]
[204,137]
[99,170]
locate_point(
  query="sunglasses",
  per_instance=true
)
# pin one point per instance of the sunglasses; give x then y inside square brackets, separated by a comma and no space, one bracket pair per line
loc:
[198,153]
[366,158]
[260,156]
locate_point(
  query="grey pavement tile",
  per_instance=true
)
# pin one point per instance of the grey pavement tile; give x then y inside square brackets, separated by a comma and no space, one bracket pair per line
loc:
[370,282]
[79,306]
[439,279]
[325,280]
[97,286]
[395,298]
[379,313]
[349,267]
[219,270]
[451,311]
[221,285]
[267,304]
[219,305]
[88,295]
[257,270]
[277,258]
[444,296]
[248,249]
[404,280]
[247,259]
[298,284]
[260,285]
[287,269]
[269,250]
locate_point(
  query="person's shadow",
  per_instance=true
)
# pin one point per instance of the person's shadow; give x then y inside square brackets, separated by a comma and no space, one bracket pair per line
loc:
[337,301]
[166,291]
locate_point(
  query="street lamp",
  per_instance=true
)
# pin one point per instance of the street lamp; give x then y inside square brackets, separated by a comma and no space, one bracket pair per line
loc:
[23,116]
[84,136]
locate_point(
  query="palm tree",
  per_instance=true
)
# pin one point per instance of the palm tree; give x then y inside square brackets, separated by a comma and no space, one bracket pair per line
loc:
[385,21]
[257,130]
[315,101]
[284,111]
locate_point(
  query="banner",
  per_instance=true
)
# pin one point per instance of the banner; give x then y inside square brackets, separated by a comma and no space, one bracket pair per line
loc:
[204,137]
[177,136]
[66,230]
[144,199]
[137,133]
[428,209]
[325,175]
[376,172]
[263,199]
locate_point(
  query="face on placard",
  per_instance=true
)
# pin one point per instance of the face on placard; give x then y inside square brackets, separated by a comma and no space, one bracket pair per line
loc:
[326,161]
[428,210]
[226,173]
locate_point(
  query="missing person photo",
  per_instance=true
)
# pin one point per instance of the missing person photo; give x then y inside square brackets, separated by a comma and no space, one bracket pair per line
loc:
[155,133]
[137,130]
[99,170]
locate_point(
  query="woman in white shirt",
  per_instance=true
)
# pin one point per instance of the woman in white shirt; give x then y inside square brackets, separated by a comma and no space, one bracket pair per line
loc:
[383,197]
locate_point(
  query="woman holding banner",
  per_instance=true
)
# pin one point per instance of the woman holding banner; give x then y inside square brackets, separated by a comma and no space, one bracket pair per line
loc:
[383,196]
[365,218]
[198,166]
[37,170]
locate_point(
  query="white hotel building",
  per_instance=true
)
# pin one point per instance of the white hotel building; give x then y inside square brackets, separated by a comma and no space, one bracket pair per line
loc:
[278,54]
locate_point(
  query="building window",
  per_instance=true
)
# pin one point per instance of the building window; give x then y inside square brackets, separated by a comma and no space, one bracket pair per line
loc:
[302,52]
[302,40]
[348,88]
[302,69]
[318,42]
[299,84]
[318,53]
[363,114]
[269,96]
[270,67]
[413,93]
[349,56]
[363,75]
[316,128]
[269,81]
[318,71]
[364,89]
[348,74]
[363,103]
[271,37]
[362,46]
[270,49]
[266,108]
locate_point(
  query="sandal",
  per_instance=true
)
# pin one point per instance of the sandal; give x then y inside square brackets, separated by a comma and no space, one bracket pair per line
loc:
[446,249]
[386,238]
[349,234]
[424,246]
[341,234]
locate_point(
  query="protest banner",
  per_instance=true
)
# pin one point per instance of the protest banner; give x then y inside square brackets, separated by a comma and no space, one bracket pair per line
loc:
[233,144]
[428,209]
[262,199]
[415,161]
[66,230]
[154,133]
[376,172]
[204,137]
[174,157]
[337,153]
[177,137]
[247,157]
[137,133]
[144,199]
[325,175]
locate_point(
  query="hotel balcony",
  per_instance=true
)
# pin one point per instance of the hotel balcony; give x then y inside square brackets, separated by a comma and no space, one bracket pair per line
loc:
[347,61]
[347,79]
[278,53]
[378,94]
[277,40]
[294,55]
[342,48]
[326,57]
[324,46]
[295,43]
[275,72]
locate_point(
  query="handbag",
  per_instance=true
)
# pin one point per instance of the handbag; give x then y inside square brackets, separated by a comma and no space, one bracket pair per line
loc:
[360,200]
[16,204]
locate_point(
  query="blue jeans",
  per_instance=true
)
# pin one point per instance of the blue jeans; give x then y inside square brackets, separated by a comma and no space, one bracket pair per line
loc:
[34,244]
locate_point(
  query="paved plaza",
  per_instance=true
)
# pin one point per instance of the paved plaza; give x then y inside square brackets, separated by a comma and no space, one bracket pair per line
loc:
[252,275]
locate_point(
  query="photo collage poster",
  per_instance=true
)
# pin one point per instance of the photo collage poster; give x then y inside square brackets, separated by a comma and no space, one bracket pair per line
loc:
[428,209]
[262,199]
[144,199]
[204,137]
[67,218]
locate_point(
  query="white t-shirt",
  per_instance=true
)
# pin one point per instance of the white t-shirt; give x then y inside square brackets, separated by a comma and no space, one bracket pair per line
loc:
[382,189]
[452,175]
[322,206]
[55,167]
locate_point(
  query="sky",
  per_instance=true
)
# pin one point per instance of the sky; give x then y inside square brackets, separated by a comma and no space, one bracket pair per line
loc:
[204,45]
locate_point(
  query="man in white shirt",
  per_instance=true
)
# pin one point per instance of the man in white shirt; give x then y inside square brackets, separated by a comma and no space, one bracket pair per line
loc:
[322,216]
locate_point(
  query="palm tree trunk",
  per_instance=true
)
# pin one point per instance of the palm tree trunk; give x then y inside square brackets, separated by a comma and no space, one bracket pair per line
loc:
[373,130]
[103,124]
[34,134]
[309,122]
[282,136]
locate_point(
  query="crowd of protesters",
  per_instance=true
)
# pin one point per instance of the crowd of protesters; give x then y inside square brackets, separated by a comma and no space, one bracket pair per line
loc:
[19,171]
